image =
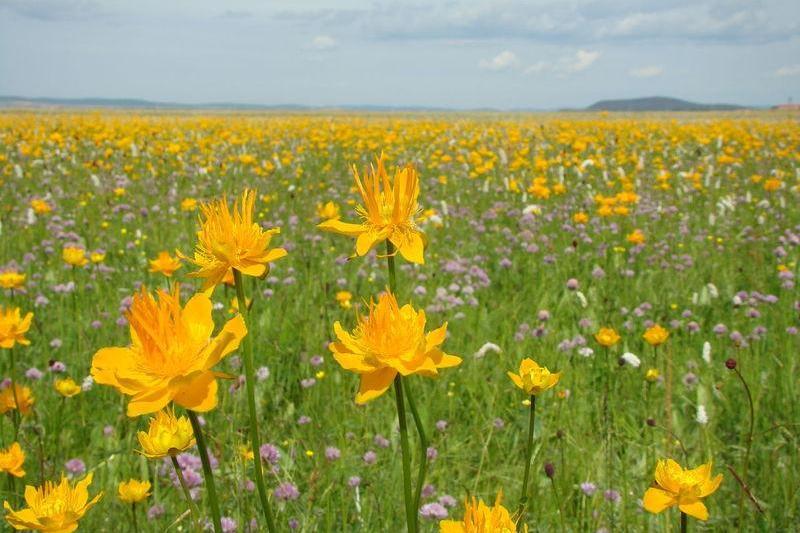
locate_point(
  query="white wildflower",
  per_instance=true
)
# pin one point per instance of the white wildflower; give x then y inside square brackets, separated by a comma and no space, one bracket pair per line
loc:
[488,347]
[707,352]
[631,359]
[702,416]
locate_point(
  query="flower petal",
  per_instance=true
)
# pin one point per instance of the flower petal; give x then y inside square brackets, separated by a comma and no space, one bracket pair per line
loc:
[516,379]
[226,342]
[696,509]
[149,402]
[197,319]
[710,486]
[108,361]
[374,384]
[367,240]
[198,394]
[656,500]
[342,228]
[436,337]
[412,248]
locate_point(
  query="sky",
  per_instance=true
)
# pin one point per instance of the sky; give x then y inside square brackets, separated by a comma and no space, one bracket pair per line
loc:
[504,54]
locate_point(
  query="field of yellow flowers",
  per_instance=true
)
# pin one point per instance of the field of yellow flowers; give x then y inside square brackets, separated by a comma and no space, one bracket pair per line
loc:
[357,322]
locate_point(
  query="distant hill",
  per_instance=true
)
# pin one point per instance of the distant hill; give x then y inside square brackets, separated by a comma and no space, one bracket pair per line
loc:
[23,101]
[133,103]
[658,103]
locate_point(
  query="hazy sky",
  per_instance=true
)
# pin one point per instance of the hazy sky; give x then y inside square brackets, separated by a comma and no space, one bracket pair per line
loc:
[453,53]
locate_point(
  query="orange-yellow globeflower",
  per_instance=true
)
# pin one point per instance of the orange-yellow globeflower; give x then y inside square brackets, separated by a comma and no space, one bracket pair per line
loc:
[18,397]
[74,256]
[133,491]
[228,241]
[166,435]
[482,518]
[12,460]
[636,237]
[164,264]
[13,327]
[328,211]
[53,508]
[11,279]
[534,379]
[67,387]
[171,356]
[655,335]
[390,340]
[684,488]
[389,211]
[607,337]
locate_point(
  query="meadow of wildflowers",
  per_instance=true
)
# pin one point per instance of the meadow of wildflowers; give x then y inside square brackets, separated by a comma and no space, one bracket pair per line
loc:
[360,322]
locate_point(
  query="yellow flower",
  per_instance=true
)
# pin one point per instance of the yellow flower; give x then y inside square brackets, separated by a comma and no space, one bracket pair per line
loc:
[684,488]
[53,508]
[166,435]
[772,184]
[232,241]
[74,256]
[40,207]
[246,453]
[480,518]
[606,337]
[11,279]
[67,387]
[328,211]
[13,327]
[391,339]
[164,264]
[636,237]
[18,393]
[652,375]
[656,335]
[388,212]
[12,459]
[188,204]
[133,491]
[532,378]
[580,218]
[344,297]
[171,355]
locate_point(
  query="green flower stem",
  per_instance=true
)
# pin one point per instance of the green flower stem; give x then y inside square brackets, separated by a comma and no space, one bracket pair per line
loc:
[523,499]
[192,507]
[411,514]
[411,501]
[255,440]
[207,473]
[423,447]
[135,521]
[16,414]
[608,423]
[747,449]
[684,524]
[390,252]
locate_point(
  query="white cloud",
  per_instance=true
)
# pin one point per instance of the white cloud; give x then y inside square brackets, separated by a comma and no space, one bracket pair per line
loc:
[646,72]
[537,68]
[582,60]
[788,70]
[502,61]
[323,42]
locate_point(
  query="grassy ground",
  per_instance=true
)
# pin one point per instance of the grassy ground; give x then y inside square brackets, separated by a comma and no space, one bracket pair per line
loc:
[715,196]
